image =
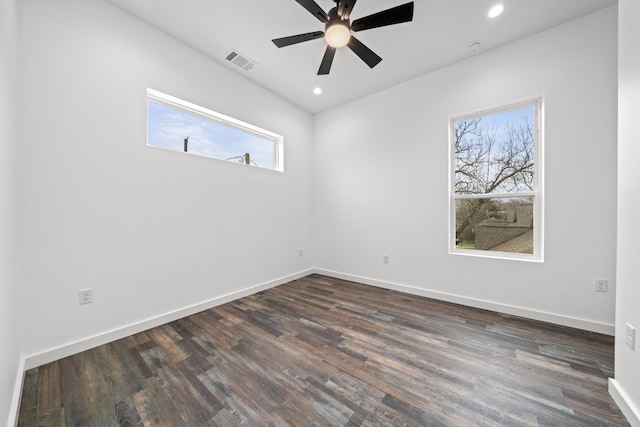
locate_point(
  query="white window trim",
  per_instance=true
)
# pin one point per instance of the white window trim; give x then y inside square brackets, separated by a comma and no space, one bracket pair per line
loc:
[174,102]
[538,194]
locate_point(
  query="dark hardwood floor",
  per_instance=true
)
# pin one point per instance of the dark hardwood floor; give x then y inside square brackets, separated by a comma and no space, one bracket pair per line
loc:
[324,352]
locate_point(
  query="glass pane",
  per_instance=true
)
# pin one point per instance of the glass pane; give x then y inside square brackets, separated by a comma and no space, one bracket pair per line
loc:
[169,127]
[495,153]
[498,224]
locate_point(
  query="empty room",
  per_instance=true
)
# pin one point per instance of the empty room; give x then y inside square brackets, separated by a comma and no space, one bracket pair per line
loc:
[319,212]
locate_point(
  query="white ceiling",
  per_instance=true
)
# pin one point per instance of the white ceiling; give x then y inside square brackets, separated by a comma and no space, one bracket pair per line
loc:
[440,34]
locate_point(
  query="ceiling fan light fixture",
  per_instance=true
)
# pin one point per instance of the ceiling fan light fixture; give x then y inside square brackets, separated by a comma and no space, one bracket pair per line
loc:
[337,35]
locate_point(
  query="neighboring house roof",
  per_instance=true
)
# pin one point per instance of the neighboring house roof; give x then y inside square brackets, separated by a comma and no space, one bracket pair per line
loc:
[523,244]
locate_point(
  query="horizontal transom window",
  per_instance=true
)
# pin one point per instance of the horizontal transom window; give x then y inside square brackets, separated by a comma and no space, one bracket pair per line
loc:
[178,125]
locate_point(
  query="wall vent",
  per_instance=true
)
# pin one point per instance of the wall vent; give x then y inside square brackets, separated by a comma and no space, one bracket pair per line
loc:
[240,60]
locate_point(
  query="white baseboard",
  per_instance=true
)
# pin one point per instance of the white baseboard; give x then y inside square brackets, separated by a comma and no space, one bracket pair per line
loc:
[12,418]
[558,319]
[87,343]
[624,403]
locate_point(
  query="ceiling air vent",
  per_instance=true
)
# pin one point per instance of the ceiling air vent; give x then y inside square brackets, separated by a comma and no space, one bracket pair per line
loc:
[240,60]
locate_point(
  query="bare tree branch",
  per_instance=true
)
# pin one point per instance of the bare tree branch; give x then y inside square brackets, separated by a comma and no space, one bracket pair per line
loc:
[490,160]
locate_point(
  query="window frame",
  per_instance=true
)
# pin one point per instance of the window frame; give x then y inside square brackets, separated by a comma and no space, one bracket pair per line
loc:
[173,102]
[537,194]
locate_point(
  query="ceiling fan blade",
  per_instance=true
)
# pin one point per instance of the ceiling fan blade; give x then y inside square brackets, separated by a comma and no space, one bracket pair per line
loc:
[299,38]
[395,15]
[366,54]
[314,9]
[327,60]
[344,9]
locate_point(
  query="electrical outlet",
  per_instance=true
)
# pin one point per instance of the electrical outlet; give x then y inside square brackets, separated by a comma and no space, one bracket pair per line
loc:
[600,285]
[631,337]
[85,296]
[300,252]
[385,259]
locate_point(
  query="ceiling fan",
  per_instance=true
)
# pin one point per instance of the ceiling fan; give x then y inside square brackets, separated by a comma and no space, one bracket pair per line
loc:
[338,28]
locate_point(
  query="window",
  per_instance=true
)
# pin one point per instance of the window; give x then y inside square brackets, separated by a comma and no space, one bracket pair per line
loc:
[496,182]
[178,125]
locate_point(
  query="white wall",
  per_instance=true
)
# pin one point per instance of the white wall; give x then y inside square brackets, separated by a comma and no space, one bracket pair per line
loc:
[626,387]
[381,171]
[151,231]
[10,351]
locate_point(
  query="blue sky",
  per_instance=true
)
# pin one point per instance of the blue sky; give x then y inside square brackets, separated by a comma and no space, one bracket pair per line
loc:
[502,120]
[168,127]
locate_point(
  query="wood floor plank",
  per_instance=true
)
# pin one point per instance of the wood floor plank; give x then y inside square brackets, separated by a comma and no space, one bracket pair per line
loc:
[87,396]
[29,402]
[154,407]
[185,397]
[320,351]
[49,404]
[126,413]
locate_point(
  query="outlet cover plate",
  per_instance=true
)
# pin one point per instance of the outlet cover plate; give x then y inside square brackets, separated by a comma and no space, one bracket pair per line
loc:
[631,337]
[85,296]
[600,285]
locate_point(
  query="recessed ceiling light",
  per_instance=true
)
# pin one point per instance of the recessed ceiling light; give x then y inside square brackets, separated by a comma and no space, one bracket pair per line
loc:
[496,10]
[317,91]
